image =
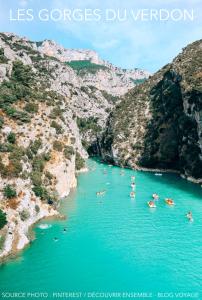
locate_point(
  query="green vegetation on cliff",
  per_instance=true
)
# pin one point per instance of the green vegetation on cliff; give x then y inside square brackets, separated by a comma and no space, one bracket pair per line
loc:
[85,66]
[9,192]
[158,124]
[3,220]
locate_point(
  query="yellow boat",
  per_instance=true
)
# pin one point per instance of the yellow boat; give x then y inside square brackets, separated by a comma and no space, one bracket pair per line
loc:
[169,201]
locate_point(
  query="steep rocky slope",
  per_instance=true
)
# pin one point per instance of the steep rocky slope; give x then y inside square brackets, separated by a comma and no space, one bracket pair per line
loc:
[93,71]
[158,124]
[50,114]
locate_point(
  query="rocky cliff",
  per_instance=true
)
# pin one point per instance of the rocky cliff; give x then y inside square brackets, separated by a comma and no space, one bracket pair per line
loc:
[51,113]
[158,124]
[59,105]
[94,71]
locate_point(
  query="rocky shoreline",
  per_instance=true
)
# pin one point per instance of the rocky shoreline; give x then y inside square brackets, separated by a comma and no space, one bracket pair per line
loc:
[16,231]
[20,239]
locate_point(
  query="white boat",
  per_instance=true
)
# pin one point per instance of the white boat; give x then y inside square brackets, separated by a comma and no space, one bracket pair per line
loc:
[44,226]
[100,193]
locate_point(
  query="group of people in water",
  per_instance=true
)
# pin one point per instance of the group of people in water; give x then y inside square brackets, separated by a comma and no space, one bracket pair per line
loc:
[152,203]
[168,201]
[133,186]
[155,198]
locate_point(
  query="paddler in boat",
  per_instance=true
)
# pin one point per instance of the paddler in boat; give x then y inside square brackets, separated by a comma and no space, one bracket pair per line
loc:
[169,201]
[155,196]
[133,185]
[132,194]
[132,178]
[151,204]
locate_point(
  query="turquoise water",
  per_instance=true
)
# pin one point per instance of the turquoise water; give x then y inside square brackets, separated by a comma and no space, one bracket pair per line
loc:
[115,244]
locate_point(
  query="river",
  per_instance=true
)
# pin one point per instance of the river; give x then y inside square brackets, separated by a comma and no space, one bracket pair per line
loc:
[114,244]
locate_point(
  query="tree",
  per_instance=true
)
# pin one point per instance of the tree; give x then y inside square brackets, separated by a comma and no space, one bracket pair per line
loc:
[3,220]
[11,138]
[79,161]
[22,73]
[9,192]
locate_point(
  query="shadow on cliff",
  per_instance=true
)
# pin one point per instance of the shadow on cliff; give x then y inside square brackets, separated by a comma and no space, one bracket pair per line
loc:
[171,140]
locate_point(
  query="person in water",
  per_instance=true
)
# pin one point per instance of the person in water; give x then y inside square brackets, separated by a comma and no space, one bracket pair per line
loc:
[189,215]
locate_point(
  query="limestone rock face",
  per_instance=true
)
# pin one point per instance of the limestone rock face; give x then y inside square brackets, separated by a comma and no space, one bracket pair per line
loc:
[59,105]
[51,48]
[158,124]
[51,114]
[114,80]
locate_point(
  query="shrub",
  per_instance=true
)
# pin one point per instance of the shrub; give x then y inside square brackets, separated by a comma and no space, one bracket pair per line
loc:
[68,152]
[34,147]
[2,241]
[15,166]
[88,124]
[22,73]
[47,156]
[17,114]
[79,161]
[29,153]
[24,215]
[19,87]
[1,122]
[38,163]
[3,59]
[9,192]
[110,98]
[31,107]
[3,220]
[73,140]
[6,148]
[58,146]
[41,192]
[36,178]
[57,127]
[56,112]
[11,138]
[37,208]
[48,175]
